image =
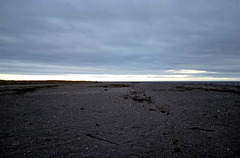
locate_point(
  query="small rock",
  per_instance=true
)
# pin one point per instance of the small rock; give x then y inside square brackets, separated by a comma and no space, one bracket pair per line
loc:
[177,149]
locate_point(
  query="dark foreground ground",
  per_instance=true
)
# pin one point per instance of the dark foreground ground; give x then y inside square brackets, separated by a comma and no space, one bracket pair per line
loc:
[119,120]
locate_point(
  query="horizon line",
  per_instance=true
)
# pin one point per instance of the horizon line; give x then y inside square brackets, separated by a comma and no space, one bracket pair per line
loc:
[115,78]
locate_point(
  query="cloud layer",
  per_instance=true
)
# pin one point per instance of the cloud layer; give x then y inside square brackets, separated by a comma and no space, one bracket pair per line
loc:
[121,37]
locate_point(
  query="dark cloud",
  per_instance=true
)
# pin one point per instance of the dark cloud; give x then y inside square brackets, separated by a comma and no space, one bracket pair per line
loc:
[120,37]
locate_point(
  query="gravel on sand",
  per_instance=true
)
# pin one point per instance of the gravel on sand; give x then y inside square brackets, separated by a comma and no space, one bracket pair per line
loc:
[120,120]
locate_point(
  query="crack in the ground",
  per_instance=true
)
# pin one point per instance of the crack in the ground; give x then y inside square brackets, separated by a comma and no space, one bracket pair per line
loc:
[201,129]
[95,137]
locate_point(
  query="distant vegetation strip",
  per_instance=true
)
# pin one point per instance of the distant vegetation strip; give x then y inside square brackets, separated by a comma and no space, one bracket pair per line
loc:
[24,82]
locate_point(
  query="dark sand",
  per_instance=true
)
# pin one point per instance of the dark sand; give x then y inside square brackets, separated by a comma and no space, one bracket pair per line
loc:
[120,120]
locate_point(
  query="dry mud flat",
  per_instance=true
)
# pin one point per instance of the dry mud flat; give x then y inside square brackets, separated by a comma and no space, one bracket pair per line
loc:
[120,120]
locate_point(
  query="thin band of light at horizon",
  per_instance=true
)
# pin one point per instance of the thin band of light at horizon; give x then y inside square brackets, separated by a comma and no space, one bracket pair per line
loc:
[110,77]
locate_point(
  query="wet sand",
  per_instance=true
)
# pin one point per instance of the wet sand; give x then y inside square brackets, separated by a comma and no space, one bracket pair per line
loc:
[120,120]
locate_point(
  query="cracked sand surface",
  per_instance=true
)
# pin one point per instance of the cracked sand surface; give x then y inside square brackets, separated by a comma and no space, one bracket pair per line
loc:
[120,120]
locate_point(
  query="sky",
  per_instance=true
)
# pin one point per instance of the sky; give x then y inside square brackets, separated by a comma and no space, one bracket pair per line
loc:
[120,40]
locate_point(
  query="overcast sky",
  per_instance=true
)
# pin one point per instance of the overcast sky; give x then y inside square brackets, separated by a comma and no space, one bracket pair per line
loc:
[121,37]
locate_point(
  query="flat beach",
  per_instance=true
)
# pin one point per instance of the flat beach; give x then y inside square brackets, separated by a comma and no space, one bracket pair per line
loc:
[87,119]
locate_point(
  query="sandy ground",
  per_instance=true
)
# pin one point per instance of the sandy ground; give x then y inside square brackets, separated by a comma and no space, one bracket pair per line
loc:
[120,120]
